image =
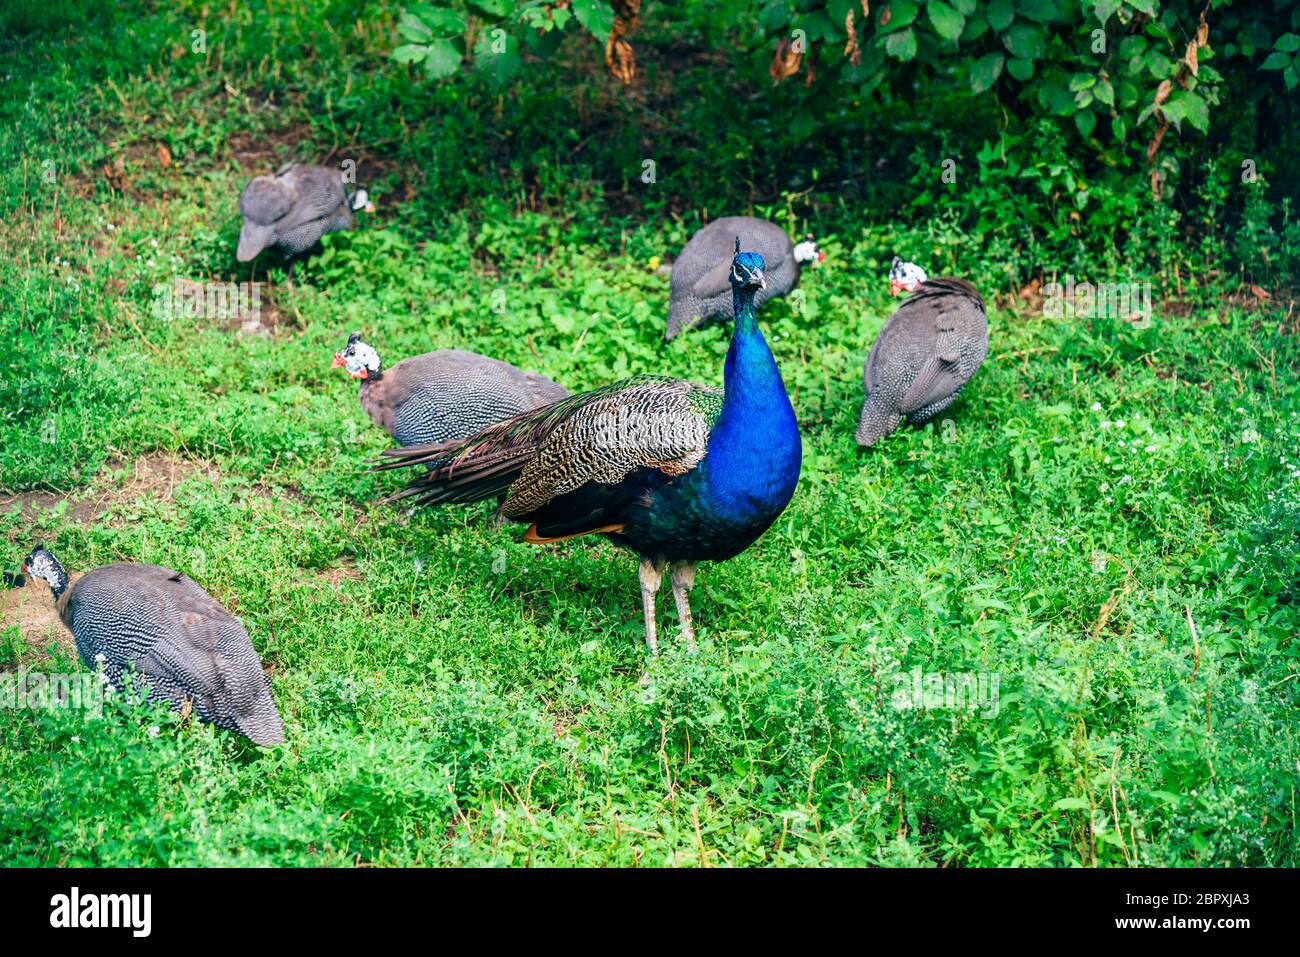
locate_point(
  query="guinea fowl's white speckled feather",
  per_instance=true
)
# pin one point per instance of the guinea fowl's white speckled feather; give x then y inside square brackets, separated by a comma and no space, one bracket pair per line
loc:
[450,394]
[178,639]
[929,348]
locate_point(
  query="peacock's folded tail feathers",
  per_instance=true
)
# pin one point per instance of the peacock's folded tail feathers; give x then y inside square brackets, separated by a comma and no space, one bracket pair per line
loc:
[595,438]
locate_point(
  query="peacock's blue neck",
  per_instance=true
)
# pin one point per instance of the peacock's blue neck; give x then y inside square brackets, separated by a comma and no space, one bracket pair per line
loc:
[754,450]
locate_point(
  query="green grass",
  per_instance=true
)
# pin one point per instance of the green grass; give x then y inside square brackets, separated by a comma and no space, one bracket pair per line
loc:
[453,696]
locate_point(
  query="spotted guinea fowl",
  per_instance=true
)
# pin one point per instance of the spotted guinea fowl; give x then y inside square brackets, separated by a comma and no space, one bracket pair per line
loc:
[929,348]
[444,395]
[677,472]
[700,287]
[172,634]
[294,208]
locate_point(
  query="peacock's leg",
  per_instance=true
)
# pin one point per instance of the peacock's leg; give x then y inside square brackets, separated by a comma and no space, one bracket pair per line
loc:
[683,582]
[651,574]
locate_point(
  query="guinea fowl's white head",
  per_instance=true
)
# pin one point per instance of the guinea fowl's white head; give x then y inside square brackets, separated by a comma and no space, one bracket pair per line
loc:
[359,358]
[42,564]
[904,277]
[807,251]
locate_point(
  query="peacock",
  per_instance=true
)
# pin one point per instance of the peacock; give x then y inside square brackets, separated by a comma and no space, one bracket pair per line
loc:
[699,287]
[929,348]
[675,471]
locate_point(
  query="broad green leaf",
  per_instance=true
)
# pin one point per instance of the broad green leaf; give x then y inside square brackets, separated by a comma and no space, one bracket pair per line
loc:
[1276,61]
[1072,804]
[413,28]
[1291,76]
[501,66]
[410,53]
[901,45]
[445,23]
[1024,41]
[774,16]
[948,23]
[443,59]
[966,7]
[596,15]
[976,27]
[819,26]
[1040,10]
[1000,14]
[1119,128]
[1021,69]
[1103,10]
[1104,92]
[1287,43]
[901,14]
[1085,121]
[1195,110]
[1131,46]
[985,71]
[1082,81]
[493,8]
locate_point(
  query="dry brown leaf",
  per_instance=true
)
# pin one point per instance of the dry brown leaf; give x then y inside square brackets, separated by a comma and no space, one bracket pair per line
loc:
[1190,58]
[786,62]
[116,174]
[1260,293]
[884,15]
[164,155]
[1202,32]
[851,50]
[1163,91]
[620,59]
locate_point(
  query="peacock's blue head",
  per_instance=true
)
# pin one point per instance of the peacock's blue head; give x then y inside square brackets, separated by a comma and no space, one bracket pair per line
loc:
[747,270]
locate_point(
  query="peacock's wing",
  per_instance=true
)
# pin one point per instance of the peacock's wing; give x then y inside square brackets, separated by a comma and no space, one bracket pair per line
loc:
[594,438]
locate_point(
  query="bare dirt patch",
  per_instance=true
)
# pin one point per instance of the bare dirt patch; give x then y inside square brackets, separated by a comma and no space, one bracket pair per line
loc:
[32,609]
[265,151]
[120,481]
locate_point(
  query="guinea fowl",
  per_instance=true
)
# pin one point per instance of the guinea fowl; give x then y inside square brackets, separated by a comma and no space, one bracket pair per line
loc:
[294,208]
[929,348]
[677,472]
[700,287]
[175,636]
[444,395]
